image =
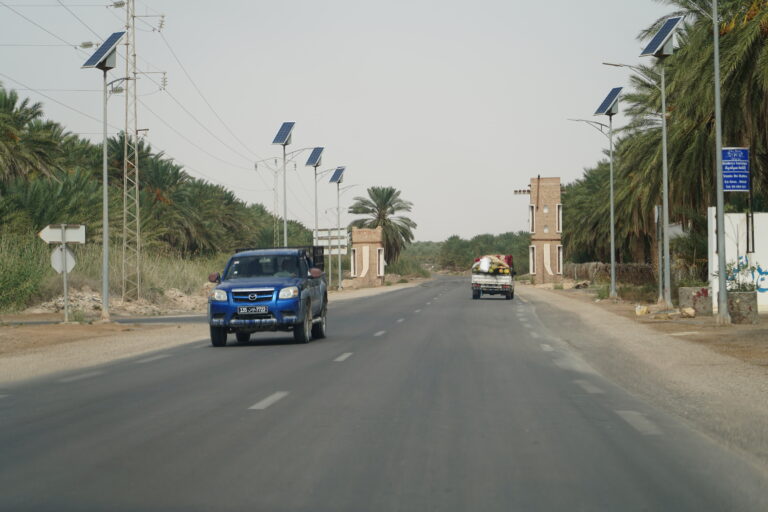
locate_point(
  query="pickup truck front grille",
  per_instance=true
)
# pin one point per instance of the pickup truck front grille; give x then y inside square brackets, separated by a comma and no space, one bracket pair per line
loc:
[254,295]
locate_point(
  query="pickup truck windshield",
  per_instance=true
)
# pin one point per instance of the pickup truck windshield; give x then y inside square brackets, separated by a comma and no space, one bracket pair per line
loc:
[246,267]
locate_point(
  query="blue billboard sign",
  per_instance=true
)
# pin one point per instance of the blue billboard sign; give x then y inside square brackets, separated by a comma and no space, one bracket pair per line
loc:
[736,170]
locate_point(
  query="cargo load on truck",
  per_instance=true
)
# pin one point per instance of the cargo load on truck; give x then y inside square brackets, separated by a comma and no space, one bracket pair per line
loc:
[493,274]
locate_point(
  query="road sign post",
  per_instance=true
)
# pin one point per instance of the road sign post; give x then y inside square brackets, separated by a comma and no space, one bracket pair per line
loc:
[62,259]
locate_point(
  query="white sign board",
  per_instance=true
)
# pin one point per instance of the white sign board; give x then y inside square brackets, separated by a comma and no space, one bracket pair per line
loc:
[736,251]
[58,233]
[58,259]
[336,252]
[332,238]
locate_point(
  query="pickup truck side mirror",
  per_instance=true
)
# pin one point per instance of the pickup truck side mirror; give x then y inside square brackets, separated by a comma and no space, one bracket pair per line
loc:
[315,273]
[215,277]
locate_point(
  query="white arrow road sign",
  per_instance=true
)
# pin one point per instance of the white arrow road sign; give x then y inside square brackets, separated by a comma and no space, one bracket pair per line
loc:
[55,233]
[57,259]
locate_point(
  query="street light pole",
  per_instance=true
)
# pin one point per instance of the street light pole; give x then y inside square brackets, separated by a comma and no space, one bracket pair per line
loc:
[665,194]
[665,265]
[105,209]
[338,226]
[723,318]
[602,128]
[613,293]
[285,201]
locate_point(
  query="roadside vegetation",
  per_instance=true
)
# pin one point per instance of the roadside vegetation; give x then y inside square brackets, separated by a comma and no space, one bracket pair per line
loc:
[48,175]
[638,158]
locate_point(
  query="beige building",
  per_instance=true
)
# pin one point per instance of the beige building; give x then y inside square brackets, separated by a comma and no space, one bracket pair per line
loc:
[367,257]
[545,215]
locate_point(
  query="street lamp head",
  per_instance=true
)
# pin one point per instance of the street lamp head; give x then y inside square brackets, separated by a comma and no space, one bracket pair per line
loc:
[614,65]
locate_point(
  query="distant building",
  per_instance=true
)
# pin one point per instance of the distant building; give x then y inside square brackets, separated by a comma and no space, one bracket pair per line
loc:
[545,217]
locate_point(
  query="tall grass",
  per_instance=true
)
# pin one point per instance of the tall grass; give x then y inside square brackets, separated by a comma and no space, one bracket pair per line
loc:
[26,275]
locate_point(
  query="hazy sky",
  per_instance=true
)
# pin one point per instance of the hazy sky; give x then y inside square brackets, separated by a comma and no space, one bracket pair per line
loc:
[455,103]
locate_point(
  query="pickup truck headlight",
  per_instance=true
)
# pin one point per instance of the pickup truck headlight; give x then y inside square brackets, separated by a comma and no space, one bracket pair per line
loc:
[219,295]
[289,292]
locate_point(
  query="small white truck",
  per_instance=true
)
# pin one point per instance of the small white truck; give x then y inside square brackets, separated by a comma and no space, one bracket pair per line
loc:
[494,278]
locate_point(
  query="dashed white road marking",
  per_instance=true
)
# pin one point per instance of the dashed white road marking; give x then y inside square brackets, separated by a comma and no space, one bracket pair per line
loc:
[687,333]
[535,335]
[589,387]
[271,399]
[3,396]
[547,348]
[380,333]
[527,326]
[343,357]
[400,320]
[640,423]
[152,358]
[428,303]
[417,311]
[81,376]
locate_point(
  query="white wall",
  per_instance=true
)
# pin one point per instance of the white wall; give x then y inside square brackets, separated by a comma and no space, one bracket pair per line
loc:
[736,250]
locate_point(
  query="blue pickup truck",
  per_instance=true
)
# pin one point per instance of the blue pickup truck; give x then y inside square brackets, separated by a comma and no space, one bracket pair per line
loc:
[269,290]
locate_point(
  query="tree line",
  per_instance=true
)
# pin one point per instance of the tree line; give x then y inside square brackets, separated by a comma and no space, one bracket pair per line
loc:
[691,153]
[48,175]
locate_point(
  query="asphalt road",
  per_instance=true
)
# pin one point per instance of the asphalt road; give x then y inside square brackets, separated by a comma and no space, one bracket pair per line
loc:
[420,399]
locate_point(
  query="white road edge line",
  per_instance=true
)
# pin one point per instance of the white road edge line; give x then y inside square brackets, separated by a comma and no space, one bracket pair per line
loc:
[589,387]
[343,357]
[547,348]
[271,399]
[152,358]
[687,333]
[640,423]
[81,376]
[380,333]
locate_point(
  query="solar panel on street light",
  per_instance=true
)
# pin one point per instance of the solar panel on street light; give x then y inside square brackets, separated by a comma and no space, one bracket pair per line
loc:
[338,175]
[103,52]
[657,46]
[315,158]
[608,106]
[283,136]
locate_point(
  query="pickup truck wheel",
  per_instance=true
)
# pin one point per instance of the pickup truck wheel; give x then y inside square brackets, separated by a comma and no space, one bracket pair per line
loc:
[475,294]
[509,295]
[243,337]
[218,336]
[512,294]
[302,333]
[318,329]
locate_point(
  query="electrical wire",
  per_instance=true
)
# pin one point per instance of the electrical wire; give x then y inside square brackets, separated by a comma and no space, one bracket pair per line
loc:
[200,93]
[70,11]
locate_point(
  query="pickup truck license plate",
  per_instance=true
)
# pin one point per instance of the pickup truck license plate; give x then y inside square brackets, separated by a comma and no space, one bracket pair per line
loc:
[252,310]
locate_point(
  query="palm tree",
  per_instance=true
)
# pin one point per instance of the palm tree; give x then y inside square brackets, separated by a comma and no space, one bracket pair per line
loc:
[381,208]
[28,145]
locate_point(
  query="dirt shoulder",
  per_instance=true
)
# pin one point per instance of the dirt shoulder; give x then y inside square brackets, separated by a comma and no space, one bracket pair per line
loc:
[32,351]
[748,343]
[696,377]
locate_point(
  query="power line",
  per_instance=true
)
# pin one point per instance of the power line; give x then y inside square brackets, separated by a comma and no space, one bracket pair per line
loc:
[70,11]
[200,93]
[37,24]
[187,139]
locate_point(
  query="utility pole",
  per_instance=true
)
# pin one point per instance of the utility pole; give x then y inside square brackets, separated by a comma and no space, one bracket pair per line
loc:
[131,265]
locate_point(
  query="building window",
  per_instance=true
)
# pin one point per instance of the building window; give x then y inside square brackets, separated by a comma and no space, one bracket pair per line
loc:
[560,260]
[532,260]
[559,220]
[532,218]
[353,263]
[381,264]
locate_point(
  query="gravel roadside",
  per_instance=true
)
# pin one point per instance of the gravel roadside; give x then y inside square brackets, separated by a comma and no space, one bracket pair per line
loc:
[721,396]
